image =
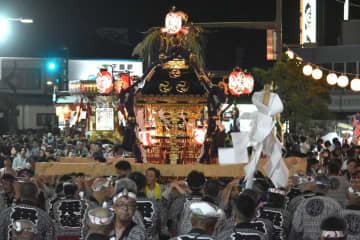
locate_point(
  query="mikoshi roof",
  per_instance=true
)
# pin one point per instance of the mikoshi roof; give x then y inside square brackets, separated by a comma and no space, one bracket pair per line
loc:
[174,76]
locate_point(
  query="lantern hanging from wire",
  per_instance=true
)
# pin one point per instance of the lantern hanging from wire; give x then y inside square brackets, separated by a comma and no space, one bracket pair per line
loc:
[355,84]
[307,70]
[317,74]
[331,79]
[290,54]
[343,81]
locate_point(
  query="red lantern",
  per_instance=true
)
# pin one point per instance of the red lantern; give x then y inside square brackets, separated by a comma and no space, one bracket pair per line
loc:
[199,135]
[173,23]
[123,83]
[104,82]
[82,87]
[145,137]
[240,83]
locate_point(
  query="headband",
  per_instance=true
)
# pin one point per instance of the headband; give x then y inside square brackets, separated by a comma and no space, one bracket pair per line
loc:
[100,220]
[100,186]
[322,182]
[205,209]
[278,191]
[332,234]
[124,193]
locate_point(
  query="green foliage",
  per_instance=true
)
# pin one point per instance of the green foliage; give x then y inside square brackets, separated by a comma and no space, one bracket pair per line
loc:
[303,97]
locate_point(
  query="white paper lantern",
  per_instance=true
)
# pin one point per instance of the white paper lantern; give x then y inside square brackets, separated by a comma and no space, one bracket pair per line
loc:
[104,82]
[199,135]
[307,70]
[343,81]
[317,74]
[331,79]
[355,84]
[240,83]
[290,54]
[173,23]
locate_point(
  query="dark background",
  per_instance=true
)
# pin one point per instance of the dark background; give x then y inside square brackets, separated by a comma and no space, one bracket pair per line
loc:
[111,29]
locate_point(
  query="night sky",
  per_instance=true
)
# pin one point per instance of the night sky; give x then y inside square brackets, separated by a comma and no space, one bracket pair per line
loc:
[94,29]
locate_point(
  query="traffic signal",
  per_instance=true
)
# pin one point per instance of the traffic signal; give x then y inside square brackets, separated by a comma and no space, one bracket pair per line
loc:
[51,65]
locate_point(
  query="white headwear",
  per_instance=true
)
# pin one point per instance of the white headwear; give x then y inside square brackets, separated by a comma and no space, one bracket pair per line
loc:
[277,191]
[100,216]
[99,184]
[24,225]
[205,209]
[332,234]
[124,193]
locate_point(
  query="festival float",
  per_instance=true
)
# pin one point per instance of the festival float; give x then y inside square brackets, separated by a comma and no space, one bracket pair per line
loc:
[171,114]
[94,110]
[174,112]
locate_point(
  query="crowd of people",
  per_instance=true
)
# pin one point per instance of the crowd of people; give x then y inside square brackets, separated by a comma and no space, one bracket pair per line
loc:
[322,202]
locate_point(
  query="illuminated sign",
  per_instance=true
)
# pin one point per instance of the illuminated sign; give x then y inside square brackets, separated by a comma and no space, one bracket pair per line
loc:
[88,69]
[270,45]
[308,21]
[104,119]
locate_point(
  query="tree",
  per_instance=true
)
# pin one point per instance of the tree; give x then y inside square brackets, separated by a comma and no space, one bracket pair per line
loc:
[303,97]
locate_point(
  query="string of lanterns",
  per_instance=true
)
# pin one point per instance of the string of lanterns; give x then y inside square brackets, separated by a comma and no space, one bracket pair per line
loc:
[333,78]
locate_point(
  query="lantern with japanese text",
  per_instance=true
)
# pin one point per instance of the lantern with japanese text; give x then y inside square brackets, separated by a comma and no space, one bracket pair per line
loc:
[123,83]
[145,137]
[240,83]
[104,82]
[199,135]
[173,23]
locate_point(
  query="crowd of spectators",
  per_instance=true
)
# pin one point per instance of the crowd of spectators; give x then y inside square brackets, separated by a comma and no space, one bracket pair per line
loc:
[322,202]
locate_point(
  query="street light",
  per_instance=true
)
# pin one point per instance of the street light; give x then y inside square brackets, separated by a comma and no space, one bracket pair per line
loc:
[3,27]
[51,65]
[22,20]
[4,24]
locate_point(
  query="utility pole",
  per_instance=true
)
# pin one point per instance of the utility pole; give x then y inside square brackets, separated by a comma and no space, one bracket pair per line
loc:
[275,25]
